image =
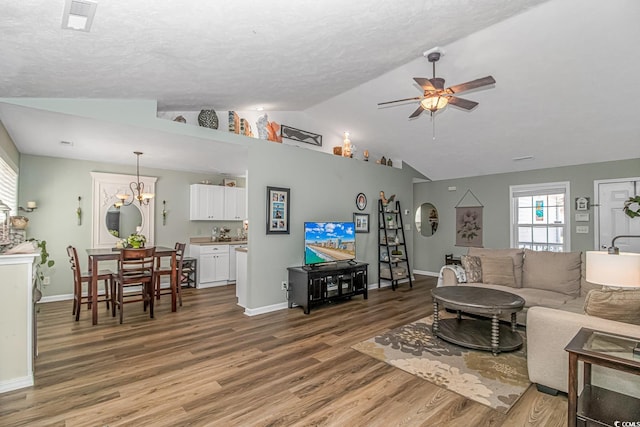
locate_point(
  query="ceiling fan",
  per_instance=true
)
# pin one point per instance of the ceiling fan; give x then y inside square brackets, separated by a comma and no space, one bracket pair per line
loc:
[435,95]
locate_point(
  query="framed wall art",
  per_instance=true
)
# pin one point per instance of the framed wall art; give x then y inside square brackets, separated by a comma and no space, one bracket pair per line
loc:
[277,210]
[361,201]
[300,135]
[361,221]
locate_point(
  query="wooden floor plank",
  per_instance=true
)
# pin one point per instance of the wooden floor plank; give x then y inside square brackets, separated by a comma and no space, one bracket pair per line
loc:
[209,364]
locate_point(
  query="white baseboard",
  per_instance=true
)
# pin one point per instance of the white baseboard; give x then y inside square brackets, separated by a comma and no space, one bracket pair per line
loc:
[54,298]
[426,273]
[266,309]
[16,383]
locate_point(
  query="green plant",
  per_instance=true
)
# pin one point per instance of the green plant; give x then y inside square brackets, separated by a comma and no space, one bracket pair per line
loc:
[629,210]
[45,258]
[136,240]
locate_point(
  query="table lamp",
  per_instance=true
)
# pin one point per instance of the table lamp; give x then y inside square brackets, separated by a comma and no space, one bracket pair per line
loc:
[620,270]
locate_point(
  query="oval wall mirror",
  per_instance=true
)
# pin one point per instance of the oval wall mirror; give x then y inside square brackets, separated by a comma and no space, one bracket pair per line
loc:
[123,221]
[110,224]
[426,219]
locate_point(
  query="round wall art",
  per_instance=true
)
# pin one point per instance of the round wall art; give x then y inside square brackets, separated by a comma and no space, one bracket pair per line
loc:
[361,201]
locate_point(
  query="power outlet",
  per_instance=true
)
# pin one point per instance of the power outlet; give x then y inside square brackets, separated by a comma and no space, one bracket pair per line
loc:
[46,280]
[284,285]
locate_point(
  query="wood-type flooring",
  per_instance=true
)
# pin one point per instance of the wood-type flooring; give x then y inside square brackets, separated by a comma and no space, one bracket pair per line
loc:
[211,365]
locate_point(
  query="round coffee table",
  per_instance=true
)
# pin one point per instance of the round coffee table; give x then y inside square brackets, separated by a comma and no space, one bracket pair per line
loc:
[474,332]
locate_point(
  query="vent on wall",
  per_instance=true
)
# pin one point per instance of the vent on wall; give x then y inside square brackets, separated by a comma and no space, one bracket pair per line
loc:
[78,14]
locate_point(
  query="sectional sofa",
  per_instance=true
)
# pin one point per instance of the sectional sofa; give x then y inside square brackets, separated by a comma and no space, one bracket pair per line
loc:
[558,302]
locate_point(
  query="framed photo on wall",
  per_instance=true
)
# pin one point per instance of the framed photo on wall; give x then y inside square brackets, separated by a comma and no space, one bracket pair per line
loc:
[277,210]
[361,221]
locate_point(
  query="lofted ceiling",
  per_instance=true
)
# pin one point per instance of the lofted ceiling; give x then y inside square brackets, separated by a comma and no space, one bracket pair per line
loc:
[565,72]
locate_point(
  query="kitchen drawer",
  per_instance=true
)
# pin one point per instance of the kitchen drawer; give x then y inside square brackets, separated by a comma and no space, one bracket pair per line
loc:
[214,249]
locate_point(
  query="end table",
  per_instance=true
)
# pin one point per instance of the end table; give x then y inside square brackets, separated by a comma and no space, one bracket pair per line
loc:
[596,405]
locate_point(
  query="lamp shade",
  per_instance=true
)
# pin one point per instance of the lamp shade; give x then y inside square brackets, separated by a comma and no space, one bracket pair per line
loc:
[620,271]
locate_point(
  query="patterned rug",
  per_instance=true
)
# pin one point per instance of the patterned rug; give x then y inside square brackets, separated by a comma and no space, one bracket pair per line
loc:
[494,381]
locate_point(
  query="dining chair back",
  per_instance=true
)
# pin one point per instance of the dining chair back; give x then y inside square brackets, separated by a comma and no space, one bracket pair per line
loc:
[135,269]
[159,272]
[80,277]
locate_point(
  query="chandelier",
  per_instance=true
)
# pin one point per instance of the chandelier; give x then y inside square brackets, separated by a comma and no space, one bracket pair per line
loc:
[137,189]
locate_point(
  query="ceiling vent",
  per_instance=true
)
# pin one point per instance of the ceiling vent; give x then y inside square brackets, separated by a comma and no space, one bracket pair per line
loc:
[78,14]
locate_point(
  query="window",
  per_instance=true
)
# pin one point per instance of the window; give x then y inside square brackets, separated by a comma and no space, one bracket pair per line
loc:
[8,186]
[540,217]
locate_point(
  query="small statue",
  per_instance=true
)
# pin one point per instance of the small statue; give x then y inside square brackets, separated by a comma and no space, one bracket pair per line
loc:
[386,201]
[261,125]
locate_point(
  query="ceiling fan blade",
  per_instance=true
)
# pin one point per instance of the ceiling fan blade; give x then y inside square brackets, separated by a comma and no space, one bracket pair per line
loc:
[424,83]
[415,98]
[462,103]
[473,84]
[417,112]
[437,82]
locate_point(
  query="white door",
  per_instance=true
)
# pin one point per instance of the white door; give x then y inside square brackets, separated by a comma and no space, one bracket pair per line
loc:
[610,220]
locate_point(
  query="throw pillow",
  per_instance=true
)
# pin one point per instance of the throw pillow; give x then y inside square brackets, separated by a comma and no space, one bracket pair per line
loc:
[472,268]
[614,304]
[516,254]
[552,271]
[498,271]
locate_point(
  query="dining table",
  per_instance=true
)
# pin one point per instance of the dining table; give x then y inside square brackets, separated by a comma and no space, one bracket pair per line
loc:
[109,254]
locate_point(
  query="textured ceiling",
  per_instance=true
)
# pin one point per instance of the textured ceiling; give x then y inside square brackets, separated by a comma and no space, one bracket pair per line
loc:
[566,73]
[231,55]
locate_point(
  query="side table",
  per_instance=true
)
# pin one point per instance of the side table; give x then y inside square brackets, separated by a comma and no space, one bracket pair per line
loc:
[596,405]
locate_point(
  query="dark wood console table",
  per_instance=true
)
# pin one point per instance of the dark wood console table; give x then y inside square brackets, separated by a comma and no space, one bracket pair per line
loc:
[596,405]
[310,286]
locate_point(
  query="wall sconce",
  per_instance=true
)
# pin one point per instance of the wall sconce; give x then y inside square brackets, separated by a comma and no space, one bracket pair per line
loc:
[79,211]
[31,206]
[164,212]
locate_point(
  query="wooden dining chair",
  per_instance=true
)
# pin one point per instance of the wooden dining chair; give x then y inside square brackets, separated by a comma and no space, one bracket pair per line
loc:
[160,271]
[80,277]
[135,269]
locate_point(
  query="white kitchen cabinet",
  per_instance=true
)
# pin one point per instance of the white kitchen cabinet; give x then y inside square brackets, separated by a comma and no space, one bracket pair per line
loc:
[235,203]
[213,264]
[232,260]
[206,202]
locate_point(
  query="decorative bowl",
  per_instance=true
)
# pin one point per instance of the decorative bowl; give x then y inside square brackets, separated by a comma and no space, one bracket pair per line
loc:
[19,222]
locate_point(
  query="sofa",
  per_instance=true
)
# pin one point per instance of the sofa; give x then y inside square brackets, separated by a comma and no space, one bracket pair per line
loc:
[558,302]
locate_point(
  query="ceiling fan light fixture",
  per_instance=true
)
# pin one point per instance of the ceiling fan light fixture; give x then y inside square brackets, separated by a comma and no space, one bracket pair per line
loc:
[434,103]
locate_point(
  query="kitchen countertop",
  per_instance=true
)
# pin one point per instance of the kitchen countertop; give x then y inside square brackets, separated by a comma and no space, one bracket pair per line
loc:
[206,241]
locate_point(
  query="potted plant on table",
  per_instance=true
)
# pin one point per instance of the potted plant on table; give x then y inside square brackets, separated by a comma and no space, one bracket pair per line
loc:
[136,241]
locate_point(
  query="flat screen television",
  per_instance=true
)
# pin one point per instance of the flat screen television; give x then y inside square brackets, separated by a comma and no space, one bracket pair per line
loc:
[329,242]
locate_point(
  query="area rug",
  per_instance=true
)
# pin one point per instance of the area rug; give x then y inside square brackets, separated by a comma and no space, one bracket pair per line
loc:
[494,381]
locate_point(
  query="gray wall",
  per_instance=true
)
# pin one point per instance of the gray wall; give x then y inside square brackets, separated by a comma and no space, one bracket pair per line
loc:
[323,188]
[493,193]
[55,185]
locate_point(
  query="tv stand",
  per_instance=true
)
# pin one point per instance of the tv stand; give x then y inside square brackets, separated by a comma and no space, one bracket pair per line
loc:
[310,286]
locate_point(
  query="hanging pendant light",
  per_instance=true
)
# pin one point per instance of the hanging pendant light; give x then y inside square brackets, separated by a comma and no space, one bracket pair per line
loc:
[137,189]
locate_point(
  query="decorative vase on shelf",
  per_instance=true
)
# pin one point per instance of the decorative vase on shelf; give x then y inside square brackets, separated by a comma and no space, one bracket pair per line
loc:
[208,119]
